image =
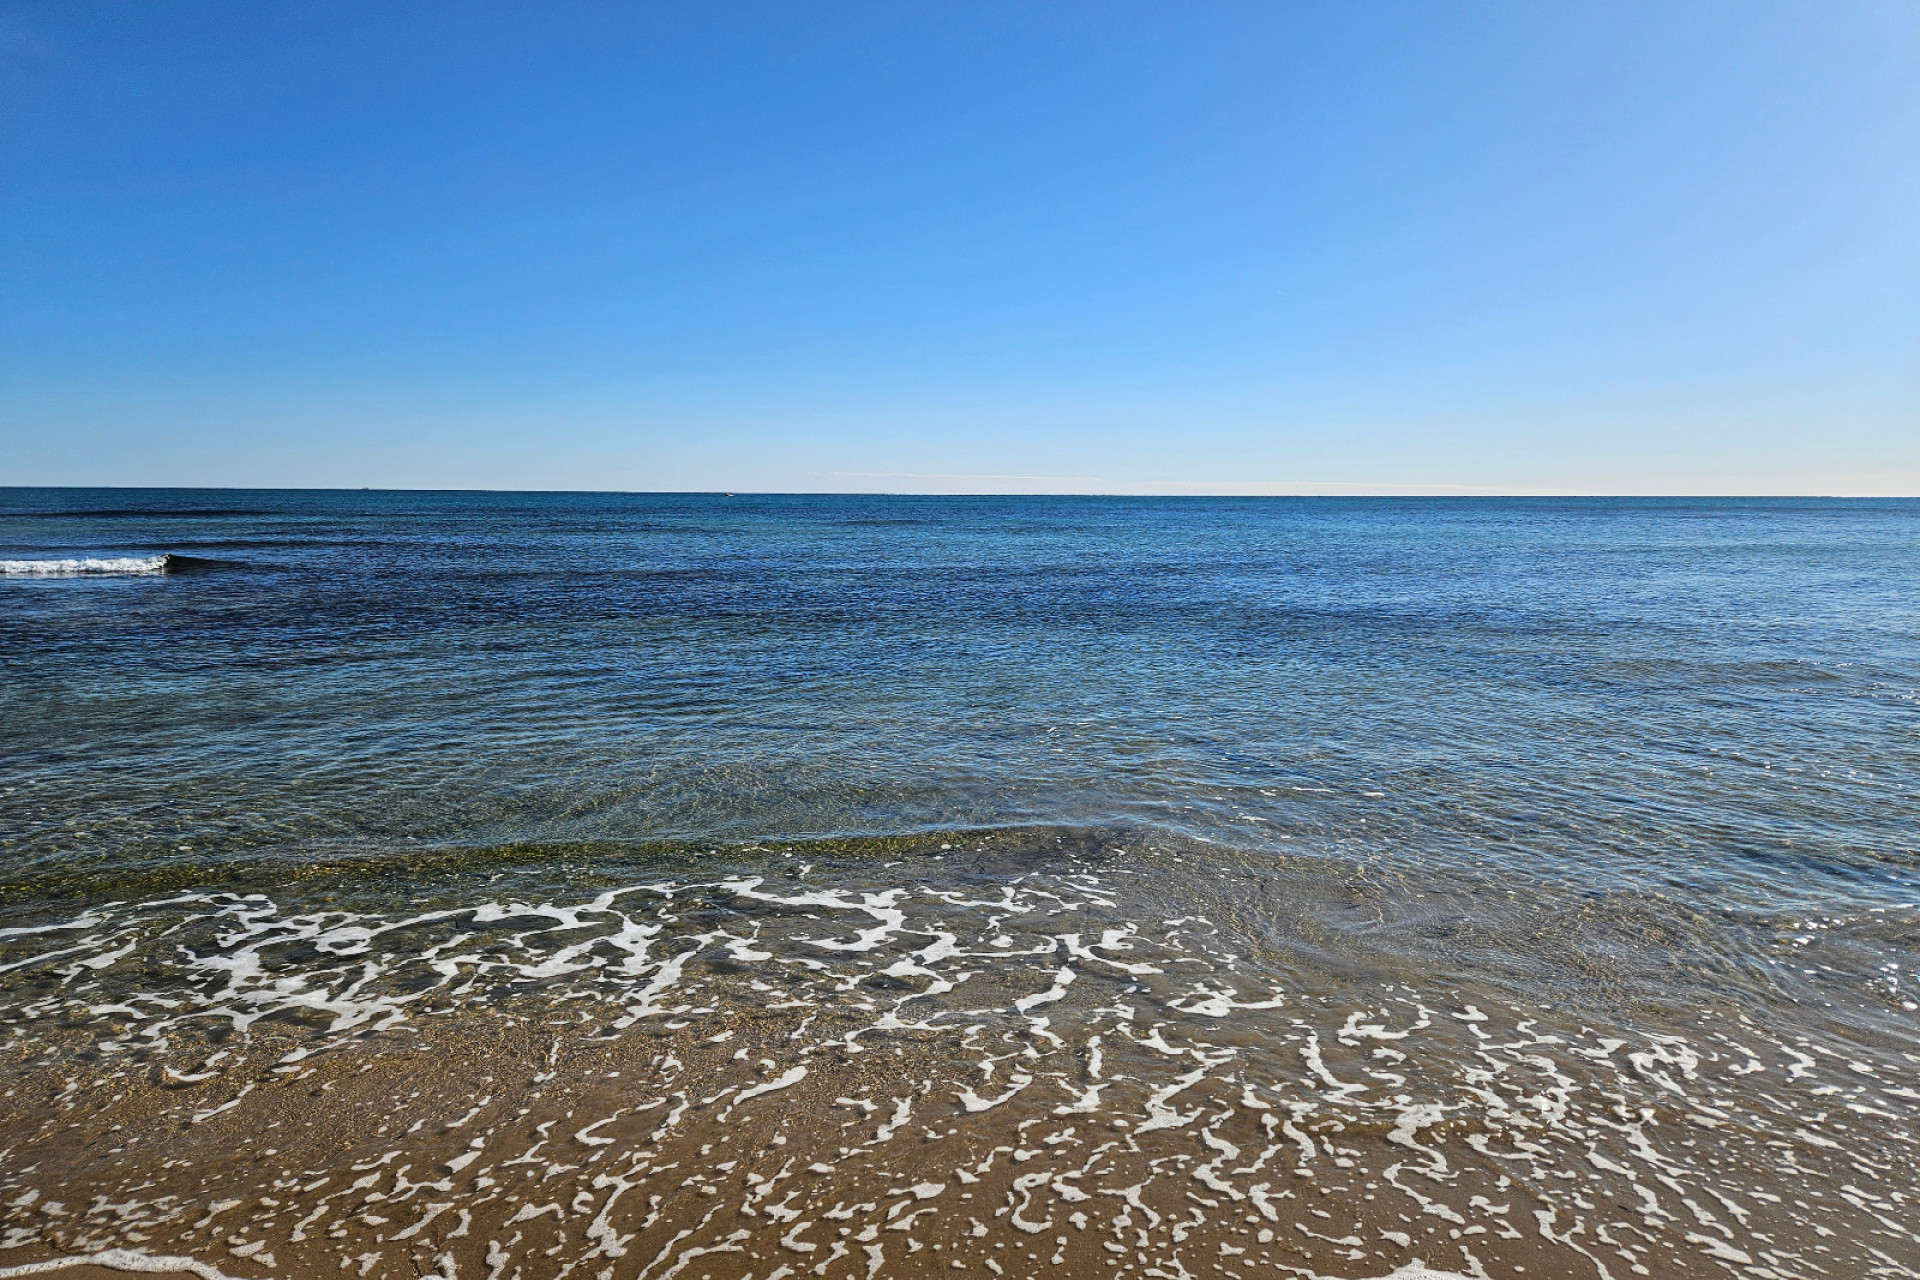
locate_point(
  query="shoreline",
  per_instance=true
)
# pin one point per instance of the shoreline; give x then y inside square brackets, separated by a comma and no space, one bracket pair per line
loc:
[853,1071]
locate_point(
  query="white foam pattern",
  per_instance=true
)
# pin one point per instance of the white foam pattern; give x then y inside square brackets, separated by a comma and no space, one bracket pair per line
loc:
[1141,1092]
[85,566]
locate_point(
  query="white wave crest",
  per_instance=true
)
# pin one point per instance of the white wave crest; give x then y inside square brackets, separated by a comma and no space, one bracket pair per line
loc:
[87,566]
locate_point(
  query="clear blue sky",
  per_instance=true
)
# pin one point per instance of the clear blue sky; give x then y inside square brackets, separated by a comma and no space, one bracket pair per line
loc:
[1174,247]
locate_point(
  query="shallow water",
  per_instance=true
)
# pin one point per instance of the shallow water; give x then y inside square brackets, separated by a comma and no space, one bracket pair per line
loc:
[1162,887]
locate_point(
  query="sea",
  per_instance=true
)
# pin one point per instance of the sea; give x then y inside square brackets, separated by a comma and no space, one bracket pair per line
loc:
[515,886]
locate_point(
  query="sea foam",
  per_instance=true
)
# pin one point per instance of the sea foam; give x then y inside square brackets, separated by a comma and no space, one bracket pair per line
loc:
[85,566]
[901,1077]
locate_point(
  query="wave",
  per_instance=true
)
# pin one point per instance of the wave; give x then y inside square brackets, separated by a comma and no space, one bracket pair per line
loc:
[102,566]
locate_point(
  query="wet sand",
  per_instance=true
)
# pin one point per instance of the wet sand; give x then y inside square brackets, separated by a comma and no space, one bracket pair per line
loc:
[861,1075]
[78,1268]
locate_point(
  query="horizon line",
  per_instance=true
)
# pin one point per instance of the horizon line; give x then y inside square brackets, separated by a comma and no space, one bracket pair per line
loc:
[1221,490]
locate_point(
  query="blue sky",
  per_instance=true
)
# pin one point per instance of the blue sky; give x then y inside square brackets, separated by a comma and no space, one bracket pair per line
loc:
[1118,247]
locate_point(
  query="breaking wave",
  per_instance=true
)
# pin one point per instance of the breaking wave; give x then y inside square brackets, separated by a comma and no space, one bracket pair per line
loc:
[102,566]
[86,566]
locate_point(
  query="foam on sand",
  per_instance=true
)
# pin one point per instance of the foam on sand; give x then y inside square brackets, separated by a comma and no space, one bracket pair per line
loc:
[119,1260]
[803,1074]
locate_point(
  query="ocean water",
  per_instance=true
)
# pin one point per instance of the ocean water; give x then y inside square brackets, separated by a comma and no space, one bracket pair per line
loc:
[514,885]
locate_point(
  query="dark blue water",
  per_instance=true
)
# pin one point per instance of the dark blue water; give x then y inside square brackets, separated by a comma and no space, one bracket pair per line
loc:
[1511,735]
[1712,696]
